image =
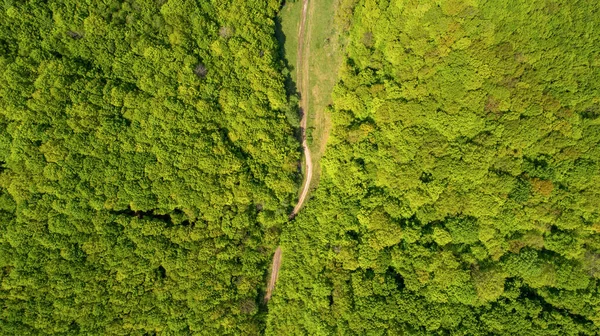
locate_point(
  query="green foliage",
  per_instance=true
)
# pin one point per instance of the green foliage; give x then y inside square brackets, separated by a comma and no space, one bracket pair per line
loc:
[147,166]
[463,230]
[459,188]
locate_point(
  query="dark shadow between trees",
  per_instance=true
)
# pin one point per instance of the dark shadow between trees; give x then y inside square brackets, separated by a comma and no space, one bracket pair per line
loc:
[291,88]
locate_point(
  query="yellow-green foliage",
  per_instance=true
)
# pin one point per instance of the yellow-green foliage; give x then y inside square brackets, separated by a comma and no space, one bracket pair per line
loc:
[460,186]
[147,165]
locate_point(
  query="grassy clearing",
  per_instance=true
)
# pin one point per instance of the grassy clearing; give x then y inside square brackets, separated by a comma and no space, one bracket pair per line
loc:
[323,49]
[325,54]
[289,18]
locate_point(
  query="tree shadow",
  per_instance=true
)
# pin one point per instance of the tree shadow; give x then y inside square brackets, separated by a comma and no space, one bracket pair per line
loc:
[291,88]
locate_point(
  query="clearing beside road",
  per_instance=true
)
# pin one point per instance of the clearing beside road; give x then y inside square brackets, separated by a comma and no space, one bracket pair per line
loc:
[313,44]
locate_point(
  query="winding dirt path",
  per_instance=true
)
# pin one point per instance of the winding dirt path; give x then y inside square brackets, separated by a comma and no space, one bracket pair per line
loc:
[303,74]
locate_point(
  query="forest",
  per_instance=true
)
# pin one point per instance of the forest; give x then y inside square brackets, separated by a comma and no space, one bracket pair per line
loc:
[149,161]
[459,192]
[150,156]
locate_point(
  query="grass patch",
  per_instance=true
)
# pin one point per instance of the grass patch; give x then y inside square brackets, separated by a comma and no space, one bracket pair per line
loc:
[326,50]
[287,35]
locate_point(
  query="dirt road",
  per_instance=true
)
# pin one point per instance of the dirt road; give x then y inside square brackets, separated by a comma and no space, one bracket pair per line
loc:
[302,66]
[274,273]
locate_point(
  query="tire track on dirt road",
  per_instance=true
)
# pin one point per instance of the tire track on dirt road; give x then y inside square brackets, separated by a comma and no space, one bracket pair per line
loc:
[303,74]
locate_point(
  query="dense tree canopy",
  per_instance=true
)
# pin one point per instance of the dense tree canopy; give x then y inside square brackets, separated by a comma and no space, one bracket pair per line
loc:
[460,185]
[148,163]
